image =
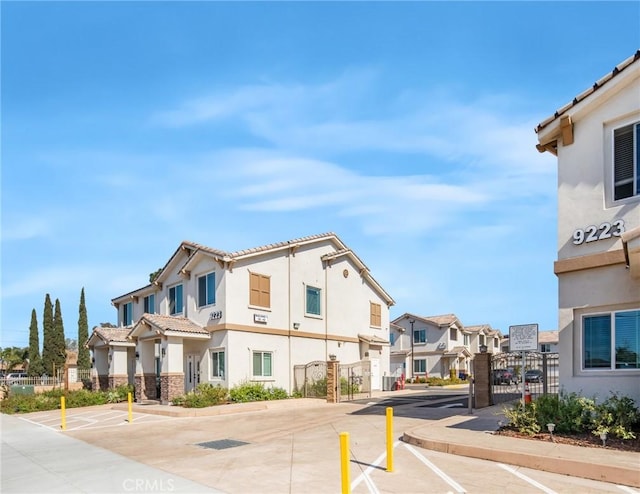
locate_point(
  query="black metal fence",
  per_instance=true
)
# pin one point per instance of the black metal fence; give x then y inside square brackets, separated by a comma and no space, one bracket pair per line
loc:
[511,377]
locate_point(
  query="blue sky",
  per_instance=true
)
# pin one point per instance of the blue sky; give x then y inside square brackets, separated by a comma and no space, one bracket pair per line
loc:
[406,128]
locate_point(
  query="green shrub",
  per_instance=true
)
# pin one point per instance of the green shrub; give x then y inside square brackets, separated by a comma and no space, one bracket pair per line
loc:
[575,414]
[347,388]
[439,381]
[247,391]
[523,418]
[205,395]
[617,416]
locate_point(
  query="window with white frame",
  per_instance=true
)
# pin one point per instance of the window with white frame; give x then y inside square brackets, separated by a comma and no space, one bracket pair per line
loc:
[611,340]
[150,304]
[206,289]
[175,300]
[481,339]
[466,339]
[453,334]
[419,335]
[392,338]
[217,364]
[262,364]
[127,314]
[312,300]
[545,347]
[496,343]
[626,161]
[420,366]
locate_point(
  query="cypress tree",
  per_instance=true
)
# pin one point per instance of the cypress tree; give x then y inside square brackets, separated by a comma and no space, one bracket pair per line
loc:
[60,348]
[47,336]
[84,361]
[35,362]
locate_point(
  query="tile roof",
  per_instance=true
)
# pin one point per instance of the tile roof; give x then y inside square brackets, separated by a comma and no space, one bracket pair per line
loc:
[112,334]
[442,319]
[171,323]
[548,337]
[585,94]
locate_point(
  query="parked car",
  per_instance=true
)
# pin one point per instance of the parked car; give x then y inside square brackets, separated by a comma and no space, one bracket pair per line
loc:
[502,376]
[16,378]
[533,376]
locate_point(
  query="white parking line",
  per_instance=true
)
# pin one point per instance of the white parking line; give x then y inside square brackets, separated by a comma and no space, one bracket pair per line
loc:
[365,475]
[526,479]
[436,470]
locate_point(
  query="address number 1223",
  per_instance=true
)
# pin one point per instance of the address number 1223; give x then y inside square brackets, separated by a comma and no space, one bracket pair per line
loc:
[593,233]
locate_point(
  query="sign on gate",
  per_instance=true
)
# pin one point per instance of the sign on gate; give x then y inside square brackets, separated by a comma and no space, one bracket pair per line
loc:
[523,337]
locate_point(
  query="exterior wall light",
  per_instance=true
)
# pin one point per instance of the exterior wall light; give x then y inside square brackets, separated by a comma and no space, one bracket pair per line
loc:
[483,348]
[332,356]
[296,325]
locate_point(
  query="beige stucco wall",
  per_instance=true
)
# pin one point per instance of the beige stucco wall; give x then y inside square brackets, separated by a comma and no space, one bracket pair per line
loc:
[584,199]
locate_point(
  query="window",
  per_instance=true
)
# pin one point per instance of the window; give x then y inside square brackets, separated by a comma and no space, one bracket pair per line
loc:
[626,161]
[466,340]
[262,364]
[207,289]
[420,336]
[217,364]
[127,314]
[175,300]
[392,338]
[419,366]
[545,347]
[481,339]
[375,318]
[496,343]
[453,334]
[611,341]
[259,290]
[313,301]
[150,304]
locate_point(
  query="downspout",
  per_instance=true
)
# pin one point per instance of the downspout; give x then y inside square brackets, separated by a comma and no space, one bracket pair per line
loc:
[326,310]
[289,317]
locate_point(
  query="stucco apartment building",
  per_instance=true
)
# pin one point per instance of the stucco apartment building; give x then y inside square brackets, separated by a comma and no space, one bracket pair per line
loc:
[437,346]
[596,138]
[225,318]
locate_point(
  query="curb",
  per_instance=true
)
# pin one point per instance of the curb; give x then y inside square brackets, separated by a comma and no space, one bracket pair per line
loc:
[555,464]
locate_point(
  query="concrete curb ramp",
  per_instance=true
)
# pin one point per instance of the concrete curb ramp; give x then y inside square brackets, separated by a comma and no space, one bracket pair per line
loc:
[590,463]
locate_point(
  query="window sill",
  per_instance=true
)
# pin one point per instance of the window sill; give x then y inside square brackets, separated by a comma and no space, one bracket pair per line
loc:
[314,316]
[257,307]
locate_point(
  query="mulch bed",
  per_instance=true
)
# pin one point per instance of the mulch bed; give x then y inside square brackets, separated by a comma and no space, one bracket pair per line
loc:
[586,440]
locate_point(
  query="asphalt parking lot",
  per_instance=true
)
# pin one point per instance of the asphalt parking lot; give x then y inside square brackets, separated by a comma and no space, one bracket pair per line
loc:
[294,448]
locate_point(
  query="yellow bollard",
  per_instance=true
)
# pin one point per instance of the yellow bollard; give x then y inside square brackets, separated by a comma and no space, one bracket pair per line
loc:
[389,439]
[344,462]
[130,408]
[63,410]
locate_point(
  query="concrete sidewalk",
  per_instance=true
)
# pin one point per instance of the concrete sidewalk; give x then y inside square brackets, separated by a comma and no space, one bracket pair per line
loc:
[472,436]
[37,459]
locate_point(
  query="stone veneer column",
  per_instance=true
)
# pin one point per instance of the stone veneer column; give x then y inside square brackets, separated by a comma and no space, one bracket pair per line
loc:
[149,387]
[333,381]
[118,380]
[103,381]
[139,388]
[171,386]
[482,379]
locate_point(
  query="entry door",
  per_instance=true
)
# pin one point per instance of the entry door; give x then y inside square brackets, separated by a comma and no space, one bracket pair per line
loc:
[375,374]
[192,372]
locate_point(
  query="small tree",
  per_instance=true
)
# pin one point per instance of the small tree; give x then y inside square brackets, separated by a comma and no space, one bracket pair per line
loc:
[84,360]
[59,346]
[35,361]
[47,336]
[154,275]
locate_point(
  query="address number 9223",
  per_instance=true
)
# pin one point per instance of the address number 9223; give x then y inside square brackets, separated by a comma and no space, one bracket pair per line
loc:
[602,232]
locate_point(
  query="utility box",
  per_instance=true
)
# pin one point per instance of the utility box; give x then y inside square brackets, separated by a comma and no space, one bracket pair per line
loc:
[21,389]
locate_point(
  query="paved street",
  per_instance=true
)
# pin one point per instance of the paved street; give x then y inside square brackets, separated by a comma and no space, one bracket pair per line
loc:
[287,449]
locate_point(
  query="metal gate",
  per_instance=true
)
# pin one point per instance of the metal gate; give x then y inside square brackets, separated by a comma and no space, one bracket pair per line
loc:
[310,380]
[539,372]
[355,380]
